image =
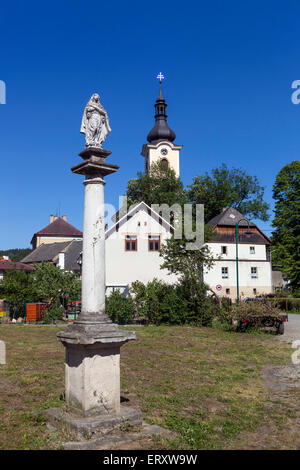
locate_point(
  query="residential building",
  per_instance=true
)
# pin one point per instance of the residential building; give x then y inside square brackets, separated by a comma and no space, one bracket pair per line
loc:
[255,270]
[59,230]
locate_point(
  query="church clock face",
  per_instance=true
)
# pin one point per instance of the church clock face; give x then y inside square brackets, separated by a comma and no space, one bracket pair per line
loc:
[164,151]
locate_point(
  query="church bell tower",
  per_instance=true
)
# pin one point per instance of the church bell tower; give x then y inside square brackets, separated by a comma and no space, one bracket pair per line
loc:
[161,138]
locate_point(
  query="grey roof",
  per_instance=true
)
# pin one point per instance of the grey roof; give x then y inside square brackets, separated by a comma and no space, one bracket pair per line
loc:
[50,252]
[45,252]
[72,254]
[229,217]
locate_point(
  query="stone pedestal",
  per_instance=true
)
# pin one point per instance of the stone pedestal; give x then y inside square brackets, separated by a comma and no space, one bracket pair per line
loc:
[93,342]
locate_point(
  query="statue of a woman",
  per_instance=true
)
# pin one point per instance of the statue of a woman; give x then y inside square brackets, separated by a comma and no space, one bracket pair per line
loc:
[94,123]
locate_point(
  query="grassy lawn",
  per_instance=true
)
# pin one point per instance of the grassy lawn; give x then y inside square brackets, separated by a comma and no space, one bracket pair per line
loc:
[203,384]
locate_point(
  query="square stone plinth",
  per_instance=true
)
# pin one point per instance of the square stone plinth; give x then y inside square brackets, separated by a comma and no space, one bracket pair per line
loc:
[83,428]
[93,379]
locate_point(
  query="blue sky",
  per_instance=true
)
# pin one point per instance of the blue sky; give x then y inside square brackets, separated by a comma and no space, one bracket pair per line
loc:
[229,66]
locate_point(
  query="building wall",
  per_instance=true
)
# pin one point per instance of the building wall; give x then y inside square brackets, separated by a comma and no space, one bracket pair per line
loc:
[41,240]
[124,267]
[172,156]
[248,285]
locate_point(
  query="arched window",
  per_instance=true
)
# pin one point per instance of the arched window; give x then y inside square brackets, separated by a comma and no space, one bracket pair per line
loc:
[165,163]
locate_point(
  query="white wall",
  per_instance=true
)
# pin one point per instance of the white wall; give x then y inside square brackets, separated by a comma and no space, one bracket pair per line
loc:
[262,283]
[172,156]
[243,249]
[124,267]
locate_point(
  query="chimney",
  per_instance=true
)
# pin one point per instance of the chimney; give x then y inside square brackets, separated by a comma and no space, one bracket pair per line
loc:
[51,219]
[64,217]
[61,260]
[55,217]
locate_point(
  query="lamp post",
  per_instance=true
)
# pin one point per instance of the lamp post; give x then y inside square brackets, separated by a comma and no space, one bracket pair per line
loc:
[237,256]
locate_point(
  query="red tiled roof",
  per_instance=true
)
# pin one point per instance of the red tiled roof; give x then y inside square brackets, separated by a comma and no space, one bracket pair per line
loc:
[59,228]
[10,265]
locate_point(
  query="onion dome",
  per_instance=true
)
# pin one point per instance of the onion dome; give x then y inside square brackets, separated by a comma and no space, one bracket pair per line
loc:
[161,130]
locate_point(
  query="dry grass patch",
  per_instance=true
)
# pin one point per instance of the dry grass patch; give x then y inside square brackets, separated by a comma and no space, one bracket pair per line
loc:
[203,384]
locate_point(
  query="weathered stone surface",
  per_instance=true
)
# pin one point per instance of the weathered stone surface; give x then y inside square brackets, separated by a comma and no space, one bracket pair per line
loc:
[2,353]
[94,426]
[118,438]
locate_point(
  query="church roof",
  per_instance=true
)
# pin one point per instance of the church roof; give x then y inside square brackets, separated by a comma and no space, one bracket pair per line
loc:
[161,129]
[59,228]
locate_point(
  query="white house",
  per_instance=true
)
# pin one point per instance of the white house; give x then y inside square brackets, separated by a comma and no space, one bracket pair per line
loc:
[254,265]
[132,248]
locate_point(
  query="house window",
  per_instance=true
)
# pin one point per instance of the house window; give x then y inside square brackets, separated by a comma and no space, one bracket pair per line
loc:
[224,273]
[253,272]
[254,291]
[224,250]
[228,291]
[130,243]
[252,250]
[153,242]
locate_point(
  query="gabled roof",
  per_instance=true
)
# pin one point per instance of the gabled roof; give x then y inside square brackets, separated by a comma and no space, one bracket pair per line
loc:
[72,254]
[45,252]
[59,228]
[228,218]
[132,211]
[50,251]
[11,265]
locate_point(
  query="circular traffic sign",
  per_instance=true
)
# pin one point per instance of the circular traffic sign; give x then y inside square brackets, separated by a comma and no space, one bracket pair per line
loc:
[218,287]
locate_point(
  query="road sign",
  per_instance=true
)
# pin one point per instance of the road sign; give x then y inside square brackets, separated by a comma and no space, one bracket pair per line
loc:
[218,287]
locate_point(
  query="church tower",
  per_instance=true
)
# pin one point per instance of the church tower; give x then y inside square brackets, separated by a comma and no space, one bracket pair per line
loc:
[161,138]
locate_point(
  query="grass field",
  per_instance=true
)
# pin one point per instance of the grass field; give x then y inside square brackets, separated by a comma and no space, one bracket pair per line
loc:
[203,384]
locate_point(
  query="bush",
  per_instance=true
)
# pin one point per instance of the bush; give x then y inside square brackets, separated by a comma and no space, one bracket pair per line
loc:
[119,308]
[159,303]
[54,313]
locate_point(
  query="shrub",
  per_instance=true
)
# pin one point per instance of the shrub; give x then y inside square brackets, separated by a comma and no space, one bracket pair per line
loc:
[119,307]
[179,304]
[54,313]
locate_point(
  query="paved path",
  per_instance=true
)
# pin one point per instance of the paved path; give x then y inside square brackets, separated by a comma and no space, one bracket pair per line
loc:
[291,329]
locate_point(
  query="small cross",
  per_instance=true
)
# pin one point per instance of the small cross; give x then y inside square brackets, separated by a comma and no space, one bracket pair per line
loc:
[160,77]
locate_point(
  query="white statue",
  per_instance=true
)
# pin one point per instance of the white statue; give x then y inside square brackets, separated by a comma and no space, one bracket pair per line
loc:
[94,123]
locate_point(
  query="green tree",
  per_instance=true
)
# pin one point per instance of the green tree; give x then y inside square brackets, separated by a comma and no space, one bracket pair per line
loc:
[189,266]
[119,307]
[226,187]
[17,288]
[161,186]
[286,236]
[55,284]
[16,254]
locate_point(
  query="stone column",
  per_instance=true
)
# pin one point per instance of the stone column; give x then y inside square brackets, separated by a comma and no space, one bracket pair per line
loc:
[93,264]
[93,342]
